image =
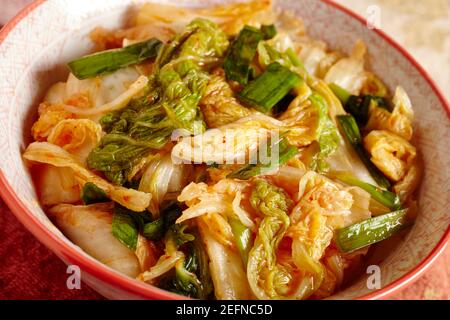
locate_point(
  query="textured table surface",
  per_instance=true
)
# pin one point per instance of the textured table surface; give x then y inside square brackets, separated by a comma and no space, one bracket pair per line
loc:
[28,270]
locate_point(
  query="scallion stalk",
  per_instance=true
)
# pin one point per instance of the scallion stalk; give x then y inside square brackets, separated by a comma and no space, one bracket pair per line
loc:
[293,57]
[342,94]
[243,238]
[111,60]
[286,152]
[124,227]
[241,53]
[386,198]
[370,231]
[268,31]
[90,194]
[269,88]
[358,107]
[351,131]
[154,230]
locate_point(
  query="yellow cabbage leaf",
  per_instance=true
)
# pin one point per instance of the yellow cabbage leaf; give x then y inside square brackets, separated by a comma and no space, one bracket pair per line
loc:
[326,196]
[406,186]
[267,277]
[333,275]
[49,116]
[373,86]
[231,18]
[220,145]
[222,198]
[359,211]
[348,72]
[399,121]
[92,92]
[319,202]
[76,136]
[218,105]
[44,152]
[299,124]
[145,253]
[316,59]
[391,154]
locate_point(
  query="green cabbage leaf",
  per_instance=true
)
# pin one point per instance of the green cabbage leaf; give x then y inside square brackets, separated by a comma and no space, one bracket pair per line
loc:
[170,102]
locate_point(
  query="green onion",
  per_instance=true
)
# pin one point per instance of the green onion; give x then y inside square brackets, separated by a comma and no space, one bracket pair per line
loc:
[268,31]
[358,107]
[342,94]
[382,103]
[92,194]
[286,152]
[371,231]
[293,57]
[241,53]
[203,272]
[127,224]
[269,88]
[386,198]
[243,238]
[326,133]
[154,230]
[191,277]
[124,227]
[112,60]
[171,213]
[351,131]
[350,128]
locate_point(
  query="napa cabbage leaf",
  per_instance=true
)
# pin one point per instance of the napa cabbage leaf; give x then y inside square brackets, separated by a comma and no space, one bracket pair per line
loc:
[273,204]
[170,102]
[326,134]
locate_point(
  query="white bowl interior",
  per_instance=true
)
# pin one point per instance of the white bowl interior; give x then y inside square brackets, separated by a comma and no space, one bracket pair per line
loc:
[33,56]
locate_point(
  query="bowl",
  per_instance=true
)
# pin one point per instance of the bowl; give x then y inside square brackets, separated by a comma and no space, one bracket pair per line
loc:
[37,43]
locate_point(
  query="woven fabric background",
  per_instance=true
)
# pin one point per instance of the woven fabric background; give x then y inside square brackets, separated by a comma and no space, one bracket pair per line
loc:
[28,270]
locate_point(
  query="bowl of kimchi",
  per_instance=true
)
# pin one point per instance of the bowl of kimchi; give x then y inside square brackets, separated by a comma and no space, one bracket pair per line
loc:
[223,150]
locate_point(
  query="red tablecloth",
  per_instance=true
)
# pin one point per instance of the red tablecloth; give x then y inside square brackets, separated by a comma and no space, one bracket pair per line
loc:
[28,270]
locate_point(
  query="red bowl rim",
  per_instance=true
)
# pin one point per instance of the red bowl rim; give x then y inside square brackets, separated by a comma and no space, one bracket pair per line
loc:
[100,271]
